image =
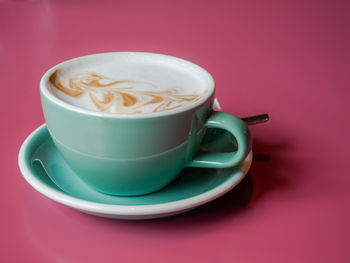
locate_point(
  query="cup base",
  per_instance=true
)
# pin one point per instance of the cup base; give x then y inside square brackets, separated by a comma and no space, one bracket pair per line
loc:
[126,177]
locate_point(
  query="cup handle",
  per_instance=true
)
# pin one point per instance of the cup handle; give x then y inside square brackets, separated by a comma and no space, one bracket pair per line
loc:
[241,133]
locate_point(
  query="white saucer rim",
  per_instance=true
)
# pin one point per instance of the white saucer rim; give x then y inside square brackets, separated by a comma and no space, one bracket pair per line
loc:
[128,210]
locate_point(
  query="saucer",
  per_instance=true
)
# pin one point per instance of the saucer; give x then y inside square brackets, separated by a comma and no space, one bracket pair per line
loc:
[46,171]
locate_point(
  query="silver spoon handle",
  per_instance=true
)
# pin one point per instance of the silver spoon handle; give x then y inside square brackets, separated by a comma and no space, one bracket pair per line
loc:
[257,119]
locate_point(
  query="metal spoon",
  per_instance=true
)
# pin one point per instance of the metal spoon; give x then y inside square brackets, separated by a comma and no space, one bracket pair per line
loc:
[256,119]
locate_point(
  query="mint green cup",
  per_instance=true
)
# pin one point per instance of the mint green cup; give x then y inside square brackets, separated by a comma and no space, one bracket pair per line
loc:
[135,154]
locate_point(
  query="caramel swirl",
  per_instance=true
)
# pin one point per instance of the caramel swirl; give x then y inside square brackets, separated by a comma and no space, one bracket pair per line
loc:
[121,96]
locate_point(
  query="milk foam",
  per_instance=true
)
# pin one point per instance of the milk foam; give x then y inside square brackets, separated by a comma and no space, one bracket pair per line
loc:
[126,84]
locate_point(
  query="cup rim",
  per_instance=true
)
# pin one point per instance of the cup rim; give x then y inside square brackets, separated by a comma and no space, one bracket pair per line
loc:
[201,71]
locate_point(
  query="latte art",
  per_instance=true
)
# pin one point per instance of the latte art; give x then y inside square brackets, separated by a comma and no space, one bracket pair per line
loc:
[120,96]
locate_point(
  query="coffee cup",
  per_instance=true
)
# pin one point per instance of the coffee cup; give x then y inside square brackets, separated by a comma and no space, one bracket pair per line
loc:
[129,122]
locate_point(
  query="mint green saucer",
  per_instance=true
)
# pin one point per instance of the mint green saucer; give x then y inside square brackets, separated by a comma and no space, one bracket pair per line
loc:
[46,171]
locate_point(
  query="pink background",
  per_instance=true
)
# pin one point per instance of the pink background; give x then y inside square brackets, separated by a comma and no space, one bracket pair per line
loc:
[288,58]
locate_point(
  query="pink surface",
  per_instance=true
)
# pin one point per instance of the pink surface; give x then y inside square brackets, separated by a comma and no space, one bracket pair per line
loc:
[288,58]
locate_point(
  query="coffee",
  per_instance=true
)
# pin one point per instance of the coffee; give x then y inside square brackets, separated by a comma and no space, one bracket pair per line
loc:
[131,88]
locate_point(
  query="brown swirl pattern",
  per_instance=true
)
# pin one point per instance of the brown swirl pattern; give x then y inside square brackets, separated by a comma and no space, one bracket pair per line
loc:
[110,95]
